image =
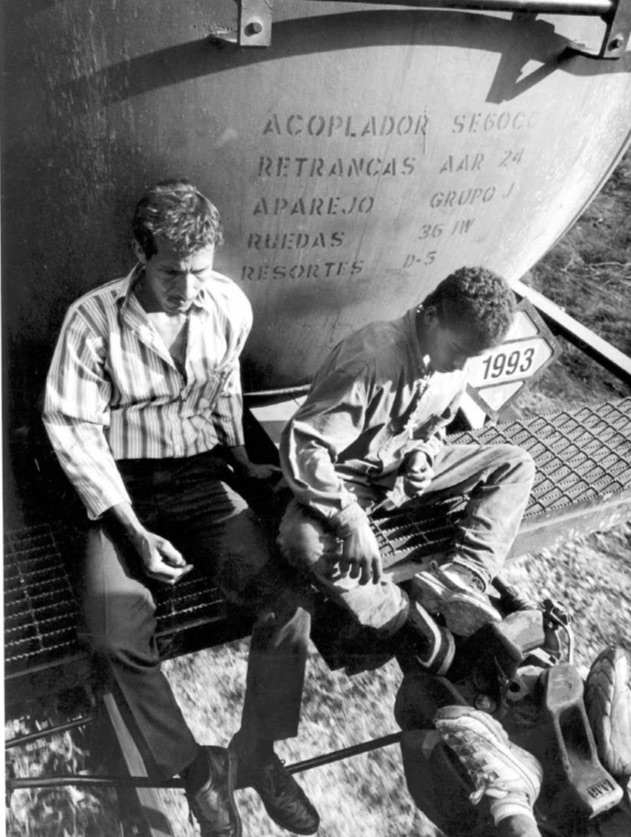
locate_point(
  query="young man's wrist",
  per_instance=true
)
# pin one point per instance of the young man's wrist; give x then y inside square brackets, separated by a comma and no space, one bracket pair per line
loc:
[427,452]
[348,521]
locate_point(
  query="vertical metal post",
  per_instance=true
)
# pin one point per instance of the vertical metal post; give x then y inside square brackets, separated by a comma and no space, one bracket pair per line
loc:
[154,815]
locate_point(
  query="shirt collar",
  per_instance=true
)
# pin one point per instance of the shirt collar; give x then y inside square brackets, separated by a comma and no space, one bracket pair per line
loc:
[422,361]
[125,292]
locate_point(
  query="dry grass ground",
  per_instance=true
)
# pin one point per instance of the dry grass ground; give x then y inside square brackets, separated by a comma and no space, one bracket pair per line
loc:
[588,273]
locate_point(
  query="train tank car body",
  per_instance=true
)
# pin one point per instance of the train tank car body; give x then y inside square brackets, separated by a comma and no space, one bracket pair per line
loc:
[358,158]
[364,154]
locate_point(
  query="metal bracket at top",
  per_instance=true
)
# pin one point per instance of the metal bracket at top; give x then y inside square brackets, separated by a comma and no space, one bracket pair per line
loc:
[618,32]
[255,23]
[254,26]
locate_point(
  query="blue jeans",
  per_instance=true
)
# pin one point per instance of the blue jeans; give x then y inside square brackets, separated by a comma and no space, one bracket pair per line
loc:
[497,480]
[191,503]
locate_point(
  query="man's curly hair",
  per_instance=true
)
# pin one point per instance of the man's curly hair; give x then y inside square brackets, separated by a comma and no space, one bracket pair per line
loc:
[176,212]
[479,300]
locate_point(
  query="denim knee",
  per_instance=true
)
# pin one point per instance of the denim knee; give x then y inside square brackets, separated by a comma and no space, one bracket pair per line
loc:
[303,540]
[130,647]
[525,464]
[517,462]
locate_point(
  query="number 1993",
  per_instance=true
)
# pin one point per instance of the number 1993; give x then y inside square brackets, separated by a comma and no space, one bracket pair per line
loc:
[508,364]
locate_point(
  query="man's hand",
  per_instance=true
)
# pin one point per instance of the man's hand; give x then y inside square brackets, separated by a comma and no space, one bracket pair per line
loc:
[418,474]
[160,558]
[360,555]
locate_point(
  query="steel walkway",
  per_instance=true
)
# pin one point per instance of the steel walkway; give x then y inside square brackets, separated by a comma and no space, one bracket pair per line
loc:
[583,483]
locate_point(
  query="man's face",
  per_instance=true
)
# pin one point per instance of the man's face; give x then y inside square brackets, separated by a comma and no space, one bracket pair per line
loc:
[448,346]
[172,281]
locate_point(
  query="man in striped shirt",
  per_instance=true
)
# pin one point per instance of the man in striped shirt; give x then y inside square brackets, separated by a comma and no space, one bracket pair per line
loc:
[144,410]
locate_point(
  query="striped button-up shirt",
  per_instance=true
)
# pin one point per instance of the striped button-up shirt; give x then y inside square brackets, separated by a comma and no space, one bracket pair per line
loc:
[375,400]
[114,391]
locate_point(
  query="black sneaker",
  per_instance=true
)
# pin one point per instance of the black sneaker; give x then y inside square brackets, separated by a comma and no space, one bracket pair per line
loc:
[213,805]
[435,647]
[284,800]
[456,593]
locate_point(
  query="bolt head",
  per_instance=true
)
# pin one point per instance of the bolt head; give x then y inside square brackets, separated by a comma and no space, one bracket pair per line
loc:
[255,27]
[484,703]
[616,43]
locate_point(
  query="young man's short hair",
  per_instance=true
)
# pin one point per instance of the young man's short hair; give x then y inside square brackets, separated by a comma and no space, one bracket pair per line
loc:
[176,212]
[477,299]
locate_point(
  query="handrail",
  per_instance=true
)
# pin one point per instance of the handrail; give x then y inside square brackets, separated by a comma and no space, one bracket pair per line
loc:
[568,7]
[254,23]
[22,740]
[21,783]
[561,323]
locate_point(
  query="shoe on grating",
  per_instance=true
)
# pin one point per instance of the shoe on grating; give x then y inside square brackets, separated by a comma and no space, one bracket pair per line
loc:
[458,594]
[608,703]
[284,800]
[213,805]
[434,646]
[510,776]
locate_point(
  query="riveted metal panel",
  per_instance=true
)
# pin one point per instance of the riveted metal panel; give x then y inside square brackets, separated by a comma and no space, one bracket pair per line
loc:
[358,159]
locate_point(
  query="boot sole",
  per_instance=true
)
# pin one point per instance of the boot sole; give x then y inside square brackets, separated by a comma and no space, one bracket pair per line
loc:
[464,612]
[608,704]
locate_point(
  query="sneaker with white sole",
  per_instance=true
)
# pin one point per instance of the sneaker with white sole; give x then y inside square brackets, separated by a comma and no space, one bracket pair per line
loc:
[452,590]
[608,703]
[509,775]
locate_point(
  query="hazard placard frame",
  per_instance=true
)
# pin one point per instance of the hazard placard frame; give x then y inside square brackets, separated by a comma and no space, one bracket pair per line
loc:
[542,333]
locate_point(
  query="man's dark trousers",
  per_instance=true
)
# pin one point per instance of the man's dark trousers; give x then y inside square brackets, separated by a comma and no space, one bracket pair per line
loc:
[191,503]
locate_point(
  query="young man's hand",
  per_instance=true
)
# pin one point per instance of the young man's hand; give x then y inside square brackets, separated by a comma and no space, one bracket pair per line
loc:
[247,470]
[253,471]
[360,555]
[418,474]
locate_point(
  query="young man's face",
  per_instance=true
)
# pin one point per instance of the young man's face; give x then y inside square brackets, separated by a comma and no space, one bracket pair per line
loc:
[448,346]
[172,281]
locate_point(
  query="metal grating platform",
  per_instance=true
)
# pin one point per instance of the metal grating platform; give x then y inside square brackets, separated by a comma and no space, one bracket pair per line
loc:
[40,606]
[581,456]
[40,612]
[583,483]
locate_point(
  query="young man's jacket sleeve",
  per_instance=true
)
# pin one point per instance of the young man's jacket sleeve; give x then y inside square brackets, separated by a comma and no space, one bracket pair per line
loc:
[430,438]
[329,421]
[76,413]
